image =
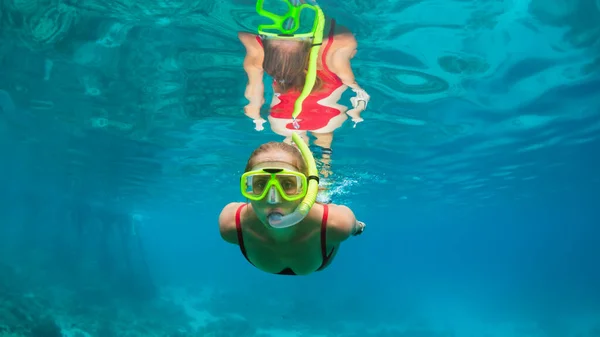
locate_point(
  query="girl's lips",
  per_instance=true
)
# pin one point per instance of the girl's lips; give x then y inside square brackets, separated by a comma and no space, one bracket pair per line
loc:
[274,210]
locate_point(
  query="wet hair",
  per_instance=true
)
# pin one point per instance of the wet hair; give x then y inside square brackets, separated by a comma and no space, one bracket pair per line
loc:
[298,161]
[288,66]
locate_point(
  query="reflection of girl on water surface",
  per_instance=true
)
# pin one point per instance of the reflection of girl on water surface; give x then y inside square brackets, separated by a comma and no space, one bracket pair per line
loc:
[286,60]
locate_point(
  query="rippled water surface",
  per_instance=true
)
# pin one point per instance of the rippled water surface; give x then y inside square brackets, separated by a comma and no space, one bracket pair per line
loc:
[472,101]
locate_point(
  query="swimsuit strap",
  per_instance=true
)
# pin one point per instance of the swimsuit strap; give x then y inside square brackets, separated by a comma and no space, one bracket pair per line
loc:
[325,256]
[238,227]
[329,42]
[324,232]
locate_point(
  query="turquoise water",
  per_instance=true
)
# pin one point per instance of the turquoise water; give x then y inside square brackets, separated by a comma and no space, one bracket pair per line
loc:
[122,135]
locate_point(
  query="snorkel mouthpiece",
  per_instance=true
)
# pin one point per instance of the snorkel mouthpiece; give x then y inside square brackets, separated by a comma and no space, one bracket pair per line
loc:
[277,220]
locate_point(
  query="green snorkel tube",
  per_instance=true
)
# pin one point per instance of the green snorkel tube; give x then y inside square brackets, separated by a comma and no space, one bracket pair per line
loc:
[284,221]
[279,23]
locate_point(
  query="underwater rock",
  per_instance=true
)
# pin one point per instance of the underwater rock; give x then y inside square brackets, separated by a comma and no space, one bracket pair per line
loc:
[46,327]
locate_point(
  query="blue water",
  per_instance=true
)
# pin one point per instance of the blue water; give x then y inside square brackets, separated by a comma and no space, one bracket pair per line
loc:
[122,136]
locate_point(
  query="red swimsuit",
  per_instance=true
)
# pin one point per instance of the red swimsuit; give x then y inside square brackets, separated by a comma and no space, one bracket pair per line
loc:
[314,115]
[288,271]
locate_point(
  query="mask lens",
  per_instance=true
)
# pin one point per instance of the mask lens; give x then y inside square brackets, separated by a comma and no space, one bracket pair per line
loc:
[257,183]
[290,184]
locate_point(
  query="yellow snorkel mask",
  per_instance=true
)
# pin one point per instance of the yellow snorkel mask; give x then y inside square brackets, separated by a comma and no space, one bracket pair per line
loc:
[287,25]
[257,184]
[291,185]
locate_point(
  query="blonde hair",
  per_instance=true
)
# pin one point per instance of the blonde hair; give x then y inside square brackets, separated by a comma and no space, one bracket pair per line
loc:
[298,161]
[288,67]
